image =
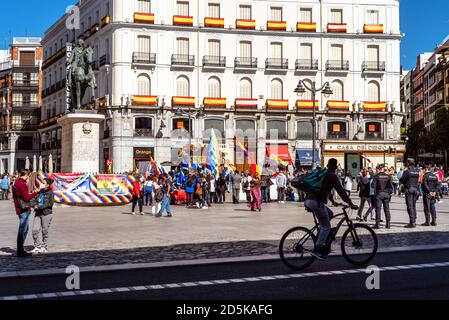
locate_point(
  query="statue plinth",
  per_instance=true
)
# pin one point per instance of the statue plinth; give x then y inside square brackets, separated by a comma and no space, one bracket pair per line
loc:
[80,141]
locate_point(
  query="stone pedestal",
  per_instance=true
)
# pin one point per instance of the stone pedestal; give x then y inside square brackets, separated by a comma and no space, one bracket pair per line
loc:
[80,142]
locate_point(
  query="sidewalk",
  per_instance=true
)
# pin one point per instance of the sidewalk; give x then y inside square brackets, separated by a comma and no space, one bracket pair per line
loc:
[111,236]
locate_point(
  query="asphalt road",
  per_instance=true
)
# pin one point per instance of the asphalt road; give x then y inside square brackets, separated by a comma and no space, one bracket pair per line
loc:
[408,275]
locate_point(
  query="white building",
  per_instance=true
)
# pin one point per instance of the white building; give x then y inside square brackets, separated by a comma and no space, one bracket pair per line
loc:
[242,61]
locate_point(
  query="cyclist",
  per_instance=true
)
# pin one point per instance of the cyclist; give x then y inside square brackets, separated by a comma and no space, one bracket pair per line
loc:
[316,202]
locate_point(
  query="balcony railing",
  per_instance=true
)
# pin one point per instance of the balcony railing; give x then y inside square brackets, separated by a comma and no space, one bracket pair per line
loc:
[26,83]
[337,135]
[104,60]
[144,133]
[276,63]
[244,62]
[304,64]
[144,58]
[374,136]
[373,66]
[337,65]
[214,61]
[277,135]
[24,127]
[182,60]
[95,65]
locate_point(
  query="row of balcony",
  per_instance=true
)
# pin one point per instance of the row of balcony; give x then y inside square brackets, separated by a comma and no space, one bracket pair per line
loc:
[54,88]
[143,58]
[50,145]
[249,24]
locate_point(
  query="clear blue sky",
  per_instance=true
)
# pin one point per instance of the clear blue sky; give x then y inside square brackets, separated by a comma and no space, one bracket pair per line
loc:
[425,23]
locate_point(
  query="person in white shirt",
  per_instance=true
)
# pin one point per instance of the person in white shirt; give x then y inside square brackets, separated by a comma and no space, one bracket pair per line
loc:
[213,191]
[347,182]
[156,205]
[281,184]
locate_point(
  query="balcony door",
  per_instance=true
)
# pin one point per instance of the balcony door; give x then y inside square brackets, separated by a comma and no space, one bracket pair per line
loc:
[336,16]
[214,51]
[373,17]
[214,10]
[144,47]
[182,8]
[305,15]
[144,6]
[337,52]
[245,12]
[276,13]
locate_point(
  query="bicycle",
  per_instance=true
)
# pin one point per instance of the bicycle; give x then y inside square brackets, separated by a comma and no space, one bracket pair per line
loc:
[297,243]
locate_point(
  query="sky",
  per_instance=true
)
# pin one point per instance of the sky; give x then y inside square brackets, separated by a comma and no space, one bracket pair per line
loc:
[424,23]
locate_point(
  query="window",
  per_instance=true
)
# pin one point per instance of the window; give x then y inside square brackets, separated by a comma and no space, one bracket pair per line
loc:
[276,89]
[246,88]
[277,129]
[337,52]
[373,92]
[305,15]
[143,123]
[246,49]
[276,13]
[107,9]
[213,88]
[276,50]
[27,58]
[144,44]
[306,51]
[373,130]
[181,127]
[336,16]
[214,48]
[182,46]
[25,143]
[245,12]
[245,128]
[218,126]
[144,6]
[337,130]
[214,10]
[373,53]
[373,17]
[143,85]
[338,91]
[182,8]
[182,87]
[308,94]
[305,130]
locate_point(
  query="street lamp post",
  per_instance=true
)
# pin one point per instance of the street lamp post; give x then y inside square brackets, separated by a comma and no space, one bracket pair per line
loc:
[327,91]
[191,114]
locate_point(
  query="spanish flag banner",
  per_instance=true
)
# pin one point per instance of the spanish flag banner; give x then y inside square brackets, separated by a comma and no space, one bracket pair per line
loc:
[307,27]
[145,100]
[245,24]
[374,106]
[373,28]
[332,27]
[182,21]
[214,102]
[144,17]
[214,22]
[307,104]
[338,105]
[183,101]
[277,104]
[277,25]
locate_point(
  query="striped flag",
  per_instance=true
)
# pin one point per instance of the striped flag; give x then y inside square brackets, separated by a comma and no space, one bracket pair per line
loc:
[213,154]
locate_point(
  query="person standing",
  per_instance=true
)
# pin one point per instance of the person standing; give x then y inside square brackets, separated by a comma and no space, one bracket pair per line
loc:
[394,179]
[221,189]
[4,184]
[236,181]
[255,193]
[158,196]
[364,187]
[137,195]
[246,186]
[213,189]
[205,185]
[430,188]
[410,180]
[281,184]
[23,202]
[167,188]
[43,217]
[190,190]
[347,182]
[148,187]
[383,187]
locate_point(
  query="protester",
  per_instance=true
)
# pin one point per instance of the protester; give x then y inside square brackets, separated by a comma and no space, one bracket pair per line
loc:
[236,181]
[281,184]
[205,185]
[221,189]
[190,190]
[246,186]
[5,184]
[24,201]
[255,193]
[43,217]
[213,190]
[348,181]
[137,195]
[158,196]
[167,188]
[148,187]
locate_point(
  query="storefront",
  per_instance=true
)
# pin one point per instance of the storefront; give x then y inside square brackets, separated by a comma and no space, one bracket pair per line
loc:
[142,159]
[353,156]
[304,157]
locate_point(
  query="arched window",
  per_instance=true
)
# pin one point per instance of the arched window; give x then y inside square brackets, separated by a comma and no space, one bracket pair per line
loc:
[337,130]
[338,90]
[218,126]
[144,6]
[277,130]
[214,87]
[305,130]
[277,89]
[143,85]
[182,86]
[245,128]
[373,92]
[246,88]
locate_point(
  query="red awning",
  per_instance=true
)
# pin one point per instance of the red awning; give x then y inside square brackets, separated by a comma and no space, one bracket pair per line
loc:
[279,151]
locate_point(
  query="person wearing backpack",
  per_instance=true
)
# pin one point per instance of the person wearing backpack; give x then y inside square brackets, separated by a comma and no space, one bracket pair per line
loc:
[148,193]
[316,201]
[158,196]
[43,217]
[190,189]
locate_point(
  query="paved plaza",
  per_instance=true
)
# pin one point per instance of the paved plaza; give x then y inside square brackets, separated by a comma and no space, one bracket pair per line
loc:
[111,235]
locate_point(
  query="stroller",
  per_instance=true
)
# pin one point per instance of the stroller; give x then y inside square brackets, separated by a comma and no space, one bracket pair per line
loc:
[445,188]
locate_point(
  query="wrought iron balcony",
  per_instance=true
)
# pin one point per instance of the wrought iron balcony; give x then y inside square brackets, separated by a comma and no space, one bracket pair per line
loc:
[214,61]
[143,133]
[306,64]
[144,58]
[374,136]
[182,60]
[273,63]
[245,63]
[277,135]
[105,59]
[378,66]
[337,135]
[26,83]
[337,65]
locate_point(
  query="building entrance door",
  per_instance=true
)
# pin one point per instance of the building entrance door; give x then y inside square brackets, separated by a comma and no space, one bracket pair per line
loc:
[353,163]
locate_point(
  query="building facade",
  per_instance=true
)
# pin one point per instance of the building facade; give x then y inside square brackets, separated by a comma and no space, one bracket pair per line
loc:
[20,99]
[240,62]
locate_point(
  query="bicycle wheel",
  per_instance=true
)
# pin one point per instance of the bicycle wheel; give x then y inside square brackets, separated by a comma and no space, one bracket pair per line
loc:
[359,244]
[295,247]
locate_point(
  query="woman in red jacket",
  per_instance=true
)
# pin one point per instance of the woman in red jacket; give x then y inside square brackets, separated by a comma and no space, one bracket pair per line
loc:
[138,195]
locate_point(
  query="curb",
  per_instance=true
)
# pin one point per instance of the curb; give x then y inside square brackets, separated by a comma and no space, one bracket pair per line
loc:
[184,263]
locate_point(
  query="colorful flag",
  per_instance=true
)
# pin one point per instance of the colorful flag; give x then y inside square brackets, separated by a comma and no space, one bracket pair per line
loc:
[213,154]
[154,166]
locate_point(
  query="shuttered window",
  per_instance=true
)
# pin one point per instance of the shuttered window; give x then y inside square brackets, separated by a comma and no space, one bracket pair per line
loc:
[214,10]
[214,48]
[373,17]
[307,95]
[182,46]
[27,58]
[338,93]
[246,89]
[245,12]
[305,15]
[373,53]
[143,85]
[306,51]
[182,8]
[276,50]
[245,49]
[144,6]
[144,44]
[213,88]
[276,89]
[337,52]
[276,13]
[182,87]
[336,16]
[373,92]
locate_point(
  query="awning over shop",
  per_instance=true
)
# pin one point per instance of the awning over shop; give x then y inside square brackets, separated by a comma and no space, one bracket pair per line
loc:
[304,157]
[279,153]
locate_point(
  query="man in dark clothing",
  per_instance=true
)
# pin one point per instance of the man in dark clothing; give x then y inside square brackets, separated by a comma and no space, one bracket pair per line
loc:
[317,204]
[430,188]
[23,204]
[410,180]
[383,187]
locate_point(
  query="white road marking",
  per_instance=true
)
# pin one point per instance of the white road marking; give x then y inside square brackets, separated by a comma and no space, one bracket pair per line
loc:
[219,282]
